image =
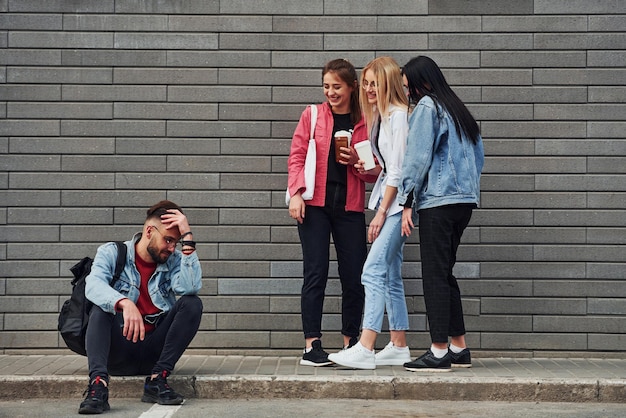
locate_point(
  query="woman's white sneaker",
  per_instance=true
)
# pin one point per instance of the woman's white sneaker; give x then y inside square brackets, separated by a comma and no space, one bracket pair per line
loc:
[356,357]
[393,356]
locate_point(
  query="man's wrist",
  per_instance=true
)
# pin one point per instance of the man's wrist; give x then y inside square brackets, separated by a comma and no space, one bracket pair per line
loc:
[188,247]
[118,307]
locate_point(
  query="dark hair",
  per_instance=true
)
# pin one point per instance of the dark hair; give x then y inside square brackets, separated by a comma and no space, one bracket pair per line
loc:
[347,73]
[425,78]
[161,208]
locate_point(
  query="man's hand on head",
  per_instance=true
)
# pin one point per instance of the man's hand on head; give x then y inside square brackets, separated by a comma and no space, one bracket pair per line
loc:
[175,219]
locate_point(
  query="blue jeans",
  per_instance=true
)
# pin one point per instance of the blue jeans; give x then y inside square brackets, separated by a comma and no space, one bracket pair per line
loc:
[382,279]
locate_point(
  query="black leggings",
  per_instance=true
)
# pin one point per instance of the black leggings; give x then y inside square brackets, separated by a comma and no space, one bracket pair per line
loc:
[110,353]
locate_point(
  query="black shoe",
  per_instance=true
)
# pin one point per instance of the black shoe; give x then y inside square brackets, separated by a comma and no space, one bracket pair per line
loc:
[158,391]
[97,399]
[427,362]
[316,357]
[462,359]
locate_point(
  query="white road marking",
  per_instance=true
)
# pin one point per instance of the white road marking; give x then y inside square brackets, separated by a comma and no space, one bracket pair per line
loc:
[160,411]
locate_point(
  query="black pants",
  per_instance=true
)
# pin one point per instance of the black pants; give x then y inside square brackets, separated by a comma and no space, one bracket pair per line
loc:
[440,231]
[349,235]
[110,353]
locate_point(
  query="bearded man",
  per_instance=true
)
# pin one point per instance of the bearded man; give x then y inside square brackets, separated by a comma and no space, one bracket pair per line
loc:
[143,322]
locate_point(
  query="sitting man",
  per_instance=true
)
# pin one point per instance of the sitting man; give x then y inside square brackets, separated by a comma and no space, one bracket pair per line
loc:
[137,326]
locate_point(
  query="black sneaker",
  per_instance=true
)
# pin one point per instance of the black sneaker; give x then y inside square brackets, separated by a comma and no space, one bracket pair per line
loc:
[158,391]
[97,399]
[427,362]
[462,359]
[316,357]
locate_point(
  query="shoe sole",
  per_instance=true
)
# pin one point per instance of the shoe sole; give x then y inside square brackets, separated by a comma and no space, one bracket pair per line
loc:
[426,369]
[310,363]
[390,363]
[94,411]
[461,365]
[152,399]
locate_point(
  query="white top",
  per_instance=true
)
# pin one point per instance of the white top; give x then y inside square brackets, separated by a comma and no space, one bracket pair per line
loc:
[392,139]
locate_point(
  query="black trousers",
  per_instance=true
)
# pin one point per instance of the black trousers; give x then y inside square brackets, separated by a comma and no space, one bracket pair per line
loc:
[110,353]
[440,231]
[349,235]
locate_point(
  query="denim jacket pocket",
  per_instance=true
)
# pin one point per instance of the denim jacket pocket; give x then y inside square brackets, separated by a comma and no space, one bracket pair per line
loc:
[123,286]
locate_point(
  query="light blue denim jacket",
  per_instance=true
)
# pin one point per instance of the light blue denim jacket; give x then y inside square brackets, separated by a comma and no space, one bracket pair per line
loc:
[179,275]
[439,167]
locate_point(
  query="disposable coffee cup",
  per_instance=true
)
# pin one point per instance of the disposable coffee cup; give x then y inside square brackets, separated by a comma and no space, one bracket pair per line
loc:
[364,149]
[342,139]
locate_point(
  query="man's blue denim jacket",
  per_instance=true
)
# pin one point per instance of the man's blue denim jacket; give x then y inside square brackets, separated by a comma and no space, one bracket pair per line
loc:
[179,275]
[439,167]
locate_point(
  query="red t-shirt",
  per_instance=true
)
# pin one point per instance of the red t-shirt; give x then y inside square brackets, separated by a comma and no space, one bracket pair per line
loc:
[144,303]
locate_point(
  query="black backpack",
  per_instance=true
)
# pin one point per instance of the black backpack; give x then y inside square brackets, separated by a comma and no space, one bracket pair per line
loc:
[74,313]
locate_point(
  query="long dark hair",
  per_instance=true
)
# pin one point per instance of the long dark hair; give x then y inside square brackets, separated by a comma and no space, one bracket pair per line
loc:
[425,78]
[347,73]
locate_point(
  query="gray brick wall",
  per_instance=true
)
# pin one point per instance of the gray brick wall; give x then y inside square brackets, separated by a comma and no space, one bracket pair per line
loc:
[108,106]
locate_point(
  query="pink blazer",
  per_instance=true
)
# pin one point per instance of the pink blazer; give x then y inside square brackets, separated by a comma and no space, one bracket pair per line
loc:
[355,199]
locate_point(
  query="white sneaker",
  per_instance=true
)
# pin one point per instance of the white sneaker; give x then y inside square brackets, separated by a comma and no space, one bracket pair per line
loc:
[393,356]
[356,357]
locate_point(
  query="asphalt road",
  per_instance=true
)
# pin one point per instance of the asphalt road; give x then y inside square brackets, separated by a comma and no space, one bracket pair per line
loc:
[349,408]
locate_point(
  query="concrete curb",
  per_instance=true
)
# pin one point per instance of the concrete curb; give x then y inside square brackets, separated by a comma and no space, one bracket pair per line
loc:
[415,387]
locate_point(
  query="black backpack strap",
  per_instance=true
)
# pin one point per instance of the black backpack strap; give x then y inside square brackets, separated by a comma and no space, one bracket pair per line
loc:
[121,261]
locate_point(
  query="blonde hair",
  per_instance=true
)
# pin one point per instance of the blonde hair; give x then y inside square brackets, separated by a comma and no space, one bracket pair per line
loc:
[389,89]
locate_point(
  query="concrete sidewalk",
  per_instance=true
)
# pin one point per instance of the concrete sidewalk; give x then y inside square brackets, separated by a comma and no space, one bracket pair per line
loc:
[241,377]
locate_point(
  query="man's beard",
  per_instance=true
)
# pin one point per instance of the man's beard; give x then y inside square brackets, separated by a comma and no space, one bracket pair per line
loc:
[158,257]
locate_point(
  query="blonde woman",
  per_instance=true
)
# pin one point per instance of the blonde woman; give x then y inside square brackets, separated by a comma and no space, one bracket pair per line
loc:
[385,107]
